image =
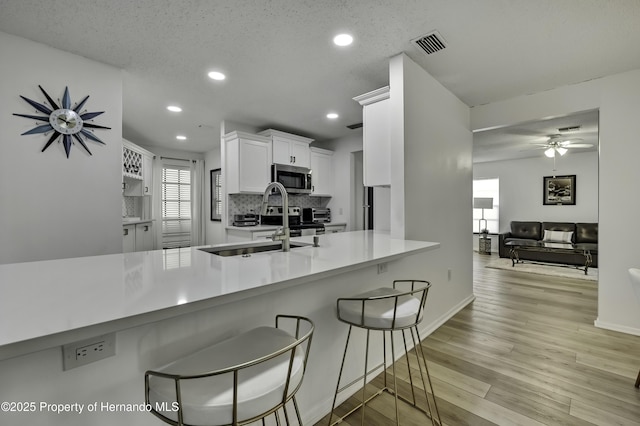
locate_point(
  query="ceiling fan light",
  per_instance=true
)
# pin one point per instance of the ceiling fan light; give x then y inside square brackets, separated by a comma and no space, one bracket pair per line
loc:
[550,152]
[561,150]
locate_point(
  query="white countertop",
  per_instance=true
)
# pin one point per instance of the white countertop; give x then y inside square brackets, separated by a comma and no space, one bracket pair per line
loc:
[259,228]
[126,222]
[48,303]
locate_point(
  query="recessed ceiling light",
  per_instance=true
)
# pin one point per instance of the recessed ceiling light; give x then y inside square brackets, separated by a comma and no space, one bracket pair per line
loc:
[332,115]
[174,108]
[215,75]
[181,138]
[343,40]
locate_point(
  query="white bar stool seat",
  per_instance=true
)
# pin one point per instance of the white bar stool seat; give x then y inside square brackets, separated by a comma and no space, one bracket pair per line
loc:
[380,314]
[386,309]
[237,381]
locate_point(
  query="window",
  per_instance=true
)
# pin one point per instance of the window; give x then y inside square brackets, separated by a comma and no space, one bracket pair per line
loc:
[216,194]
[176,206]
[487,188]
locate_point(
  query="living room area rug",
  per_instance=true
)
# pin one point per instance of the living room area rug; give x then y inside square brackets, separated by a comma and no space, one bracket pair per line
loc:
[543,269]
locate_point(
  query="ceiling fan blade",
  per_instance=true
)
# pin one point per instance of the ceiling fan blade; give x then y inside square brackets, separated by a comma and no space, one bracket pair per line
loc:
[578,145]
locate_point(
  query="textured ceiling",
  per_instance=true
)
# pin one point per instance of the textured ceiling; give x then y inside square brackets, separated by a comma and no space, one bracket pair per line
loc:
[284,72]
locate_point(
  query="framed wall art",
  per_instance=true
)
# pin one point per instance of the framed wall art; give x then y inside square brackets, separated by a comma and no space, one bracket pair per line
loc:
[559,190]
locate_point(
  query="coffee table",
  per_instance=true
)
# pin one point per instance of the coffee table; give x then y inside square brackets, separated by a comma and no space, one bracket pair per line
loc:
[541,246]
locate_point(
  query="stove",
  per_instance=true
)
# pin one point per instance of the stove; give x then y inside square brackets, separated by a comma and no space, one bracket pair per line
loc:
[274,215]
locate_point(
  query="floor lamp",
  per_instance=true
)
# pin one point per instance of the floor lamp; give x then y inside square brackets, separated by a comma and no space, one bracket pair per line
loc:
[482,203]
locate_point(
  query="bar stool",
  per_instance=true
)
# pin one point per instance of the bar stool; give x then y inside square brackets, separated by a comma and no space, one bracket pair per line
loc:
[238,381]
[399,308]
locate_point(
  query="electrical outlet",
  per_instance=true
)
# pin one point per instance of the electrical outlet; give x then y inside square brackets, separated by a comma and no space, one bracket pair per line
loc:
[88,351]
[382,267]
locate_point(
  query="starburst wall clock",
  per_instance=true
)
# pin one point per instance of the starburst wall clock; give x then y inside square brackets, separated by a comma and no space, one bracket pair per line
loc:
[66,123]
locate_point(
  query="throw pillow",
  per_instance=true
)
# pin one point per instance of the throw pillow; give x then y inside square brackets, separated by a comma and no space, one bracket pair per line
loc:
[557,236]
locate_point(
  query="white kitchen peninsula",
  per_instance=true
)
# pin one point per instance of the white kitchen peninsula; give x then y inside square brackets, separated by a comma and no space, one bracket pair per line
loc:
[163,304]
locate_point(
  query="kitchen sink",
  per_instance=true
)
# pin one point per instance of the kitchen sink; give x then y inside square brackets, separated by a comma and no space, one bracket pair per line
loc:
[247,249]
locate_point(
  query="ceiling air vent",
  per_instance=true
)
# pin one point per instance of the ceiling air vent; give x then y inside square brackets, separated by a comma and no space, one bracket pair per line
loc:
[430,43]
[569,129]
[354,126]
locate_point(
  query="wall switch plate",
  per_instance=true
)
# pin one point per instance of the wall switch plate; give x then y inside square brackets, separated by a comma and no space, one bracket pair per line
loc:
[382,267]
[89,350]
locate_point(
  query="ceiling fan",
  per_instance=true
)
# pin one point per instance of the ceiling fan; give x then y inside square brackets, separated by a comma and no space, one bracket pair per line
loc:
[561,144]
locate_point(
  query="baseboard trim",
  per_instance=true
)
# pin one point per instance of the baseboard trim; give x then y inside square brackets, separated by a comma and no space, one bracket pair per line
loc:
[616,327]
[320,410]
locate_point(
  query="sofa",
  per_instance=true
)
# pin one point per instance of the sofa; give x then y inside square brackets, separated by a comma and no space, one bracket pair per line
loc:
[556,232]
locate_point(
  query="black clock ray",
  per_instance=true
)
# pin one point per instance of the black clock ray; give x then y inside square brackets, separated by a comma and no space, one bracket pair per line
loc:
[53,137]
[68,125]
[51,101]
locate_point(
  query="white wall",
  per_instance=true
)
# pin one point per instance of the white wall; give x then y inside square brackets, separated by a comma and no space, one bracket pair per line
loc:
[521,185]
[431,170]
[53,207]
[618,99]
[215,233]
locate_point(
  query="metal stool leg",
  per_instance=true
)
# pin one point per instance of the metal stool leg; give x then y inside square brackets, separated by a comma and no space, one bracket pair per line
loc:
[364,379]
[295,405]
[395,380]
[434,413]
[344,356]
[638,380]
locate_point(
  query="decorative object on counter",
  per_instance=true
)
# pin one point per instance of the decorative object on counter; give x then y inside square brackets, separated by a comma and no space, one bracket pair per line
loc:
[559,190]
[400,308]
[63,120]
[237,381]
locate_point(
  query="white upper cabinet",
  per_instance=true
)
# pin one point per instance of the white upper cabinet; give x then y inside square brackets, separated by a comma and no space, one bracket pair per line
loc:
[376,143]
[137,170]
[247,163]
[321,171]
[289,149]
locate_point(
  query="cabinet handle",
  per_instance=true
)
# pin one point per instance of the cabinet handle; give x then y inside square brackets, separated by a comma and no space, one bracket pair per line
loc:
[146,228]
[125,232]
[294,159]
[146,189]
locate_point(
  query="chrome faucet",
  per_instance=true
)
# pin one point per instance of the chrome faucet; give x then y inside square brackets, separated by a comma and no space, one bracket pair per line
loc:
[281,234]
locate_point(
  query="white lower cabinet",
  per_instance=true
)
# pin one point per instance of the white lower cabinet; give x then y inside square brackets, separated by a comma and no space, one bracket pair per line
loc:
[330,229]
[144,237]
[138,237]
[128,238]
[246,235]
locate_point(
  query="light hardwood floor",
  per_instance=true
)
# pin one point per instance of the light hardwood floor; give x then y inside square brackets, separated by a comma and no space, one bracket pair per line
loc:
[525,352]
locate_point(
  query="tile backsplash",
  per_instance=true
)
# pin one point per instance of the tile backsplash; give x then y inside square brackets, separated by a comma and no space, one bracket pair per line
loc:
[251,203]
[131,206]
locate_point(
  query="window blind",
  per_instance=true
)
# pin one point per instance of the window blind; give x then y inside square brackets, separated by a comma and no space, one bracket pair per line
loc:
[216,194]
[176,207]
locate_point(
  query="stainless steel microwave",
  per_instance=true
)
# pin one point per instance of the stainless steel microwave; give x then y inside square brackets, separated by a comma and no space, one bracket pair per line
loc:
[296,180]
